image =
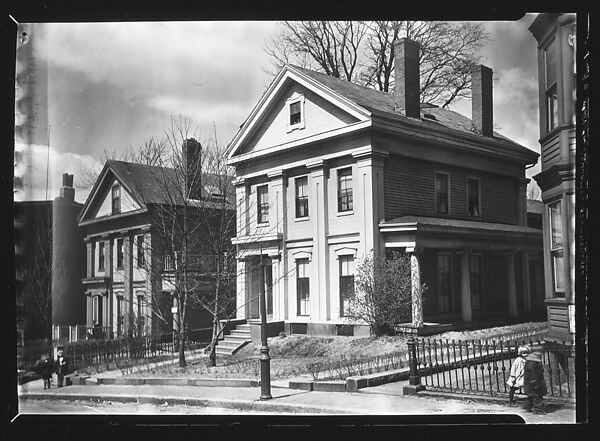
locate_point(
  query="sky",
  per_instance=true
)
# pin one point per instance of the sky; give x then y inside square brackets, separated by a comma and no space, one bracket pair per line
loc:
[111,86]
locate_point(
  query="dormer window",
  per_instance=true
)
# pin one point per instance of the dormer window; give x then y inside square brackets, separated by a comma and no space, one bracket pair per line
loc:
[295,107]
[116,199]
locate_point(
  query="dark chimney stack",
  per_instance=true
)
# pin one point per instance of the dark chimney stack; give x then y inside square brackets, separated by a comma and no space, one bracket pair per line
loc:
[481,100]
[406,81]
[192,160]
[67,192]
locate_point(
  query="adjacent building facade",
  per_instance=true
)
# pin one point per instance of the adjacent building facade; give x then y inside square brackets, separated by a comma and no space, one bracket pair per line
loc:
[131,268]
[555,34]
[328,171]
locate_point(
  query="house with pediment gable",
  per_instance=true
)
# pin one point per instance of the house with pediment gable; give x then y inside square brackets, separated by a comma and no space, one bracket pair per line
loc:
[129,283]
[328,171]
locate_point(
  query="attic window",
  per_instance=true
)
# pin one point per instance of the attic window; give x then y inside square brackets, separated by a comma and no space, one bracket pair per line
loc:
[295,107]
[116,199]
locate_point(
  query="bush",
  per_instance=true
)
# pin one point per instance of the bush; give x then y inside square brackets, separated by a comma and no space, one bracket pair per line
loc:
[383,293]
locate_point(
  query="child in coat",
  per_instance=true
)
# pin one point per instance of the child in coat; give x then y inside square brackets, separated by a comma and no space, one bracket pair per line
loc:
[45,368]
[515,381]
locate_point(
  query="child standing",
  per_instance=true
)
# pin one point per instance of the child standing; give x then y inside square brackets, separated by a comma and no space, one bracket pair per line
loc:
[515,381]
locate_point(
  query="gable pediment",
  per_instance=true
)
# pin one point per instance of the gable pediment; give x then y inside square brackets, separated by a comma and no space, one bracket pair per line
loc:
[270,122]
[99,204]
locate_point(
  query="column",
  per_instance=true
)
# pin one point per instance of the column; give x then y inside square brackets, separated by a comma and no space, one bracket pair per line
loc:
[512,284]
[465,286]
[416,294]
[526,281]
[241,279]
[319,265]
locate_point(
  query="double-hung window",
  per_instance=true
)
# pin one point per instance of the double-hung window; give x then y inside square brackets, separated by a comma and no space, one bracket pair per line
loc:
[302,286]
[473,197]
[116,199]
[120,253]
[556,248]
[262,202]
[346,282]
[444,284]
[141,259]
[441,193]
[302,197]
[550,77]
[101,256]
[345,190]
[295,106]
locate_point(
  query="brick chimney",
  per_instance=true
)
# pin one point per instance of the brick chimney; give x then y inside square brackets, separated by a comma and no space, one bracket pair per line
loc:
[481,100]
[406,81]
[192,156]
[67,192]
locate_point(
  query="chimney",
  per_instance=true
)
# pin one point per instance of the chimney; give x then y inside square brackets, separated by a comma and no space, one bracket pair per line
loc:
[406,81]
[481,100]
[192,155]
[67,192]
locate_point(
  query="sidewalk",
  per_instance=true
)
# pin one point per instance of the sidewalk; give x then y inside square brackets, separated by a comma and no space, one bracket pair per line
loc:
[386,399]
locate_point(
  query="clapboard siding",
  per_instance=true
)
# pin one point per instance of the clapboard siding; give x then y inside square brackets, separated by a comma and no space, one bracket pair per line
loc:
[551,152]
[558,318]
[409,189]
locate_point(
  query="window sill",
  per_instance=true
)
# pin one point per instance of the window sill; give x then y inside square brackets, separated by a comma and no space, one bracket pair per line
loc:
[262,225]
[301,219]
[345,213]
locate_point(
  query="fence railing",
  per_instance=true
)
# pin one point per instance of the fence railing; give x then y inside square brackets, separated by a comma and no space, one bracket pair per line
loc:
[93,352]
[483,366]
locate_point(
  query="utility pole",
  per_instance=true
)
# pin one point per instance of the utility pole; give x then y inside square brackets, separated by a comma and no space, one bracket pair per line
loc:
[265,359]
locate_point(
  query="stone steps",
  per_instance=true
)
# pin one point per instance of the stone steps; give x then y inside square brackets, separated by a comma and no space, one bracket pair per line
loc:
[236,340]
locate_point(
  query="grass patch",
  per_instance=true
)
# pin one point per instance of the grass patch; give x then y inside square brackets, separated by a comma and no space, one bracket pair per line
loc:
[297,355]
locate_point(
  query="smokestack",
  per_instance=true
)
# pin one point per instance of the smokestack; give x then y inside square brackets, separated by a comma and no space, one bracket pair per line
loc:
[67,192]
[481,100]
[192,156]
[406,81]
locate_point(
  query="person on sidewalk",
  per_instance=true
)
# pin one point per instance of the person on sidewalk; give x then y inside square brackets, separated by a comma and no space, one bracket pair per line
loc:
[534,384]
[515,381]
[61,367]
[44,369]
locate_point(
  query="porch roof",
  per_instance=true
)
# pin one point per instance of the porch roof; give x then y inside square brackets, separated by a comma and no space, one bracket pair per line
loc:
[410,231]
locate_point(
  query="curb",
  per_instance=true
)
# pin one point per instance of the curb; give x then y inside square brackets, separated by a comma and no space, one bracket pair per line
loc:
[246,405]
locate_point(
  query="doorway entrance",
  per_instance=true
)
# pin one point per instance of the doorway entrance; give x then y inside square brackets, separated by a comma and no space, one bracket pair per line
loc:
[253,279]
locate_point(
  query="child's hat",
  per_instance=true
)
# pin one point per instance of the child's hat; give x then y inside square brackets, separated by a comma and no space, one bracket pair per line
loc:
[524,350]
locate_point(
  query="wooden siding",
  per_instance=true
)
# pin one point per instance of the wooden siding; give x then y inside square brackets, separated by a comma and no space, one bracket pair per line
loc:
[409,189]
[558,318]
[551,152]
[319,116]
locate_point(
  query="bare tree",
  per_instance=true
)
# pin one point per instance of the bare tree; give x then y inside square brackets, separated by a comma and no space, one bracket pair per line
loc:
[332,47]
[363,52]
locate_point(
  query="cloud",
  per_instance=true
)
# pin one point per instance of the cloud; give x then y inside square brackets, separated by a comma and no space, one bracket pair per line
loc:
[516,105]
[33,163]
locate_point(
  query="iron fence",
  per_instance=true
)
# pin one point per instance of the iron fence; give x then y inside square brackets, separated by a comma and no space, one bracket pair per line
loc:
[483,366]
[94,352]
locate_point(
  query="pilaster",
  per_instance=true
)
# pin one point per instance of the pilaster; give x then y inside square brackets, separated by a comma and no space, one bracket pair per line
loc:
[416,294]
[319,285]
